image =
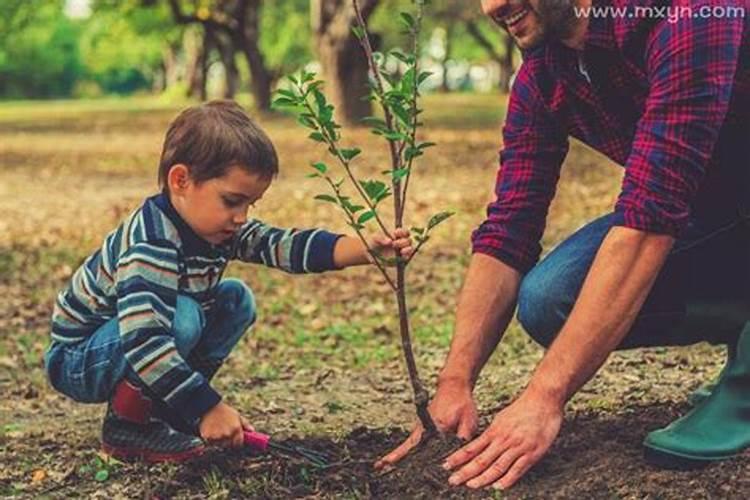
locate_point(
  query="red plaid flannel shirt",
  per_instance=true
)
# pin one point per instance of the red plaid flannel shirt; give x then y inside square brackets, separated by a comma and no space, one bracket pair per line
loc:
[667,99]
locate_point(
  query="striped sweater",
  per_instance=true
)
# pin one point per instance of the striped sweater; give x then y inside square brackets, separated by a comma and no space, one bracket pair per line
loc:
[137,274]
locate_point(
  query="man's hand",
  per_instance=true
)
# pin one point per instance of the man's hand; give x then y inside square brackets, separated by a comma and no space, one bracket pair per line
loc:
[453,410]
[224,426]
[516,439]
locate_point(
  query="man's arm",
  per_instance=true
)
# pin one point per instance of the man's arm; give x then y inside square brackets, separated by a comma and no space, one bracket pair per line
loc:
[485,308]
[615,289]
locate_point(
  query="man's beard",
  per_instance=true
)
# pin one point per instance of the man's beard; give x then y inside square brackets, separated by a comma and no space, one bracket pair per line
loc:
[557,17]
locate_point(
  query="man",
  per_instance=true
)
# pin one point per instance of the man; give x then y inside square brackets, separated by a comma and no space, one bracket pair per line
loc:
[665,92]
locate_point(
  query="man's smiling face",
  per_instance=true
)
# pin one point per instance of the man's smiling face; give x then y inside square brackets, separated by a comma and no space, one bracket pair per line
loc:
[531,22]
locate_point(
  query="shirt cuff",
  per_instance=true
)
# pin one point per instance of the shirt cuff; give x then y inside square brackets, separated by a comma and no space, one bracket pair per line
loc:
[635,219]
[520,265]
[196,402]
[320,256]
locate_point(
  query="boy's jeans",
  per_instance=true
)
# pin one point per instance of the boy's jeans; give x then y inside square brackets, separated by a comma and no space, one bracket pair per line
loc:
[701,293]
[88,371]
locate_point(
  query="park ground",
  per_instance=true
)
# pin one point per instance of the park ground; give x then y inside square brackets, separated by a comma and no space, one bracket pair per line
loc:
[323,365]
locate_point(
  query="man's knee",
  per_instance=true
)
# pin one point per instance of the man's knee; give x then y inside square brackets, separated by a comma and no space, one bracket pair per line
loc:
[540,308]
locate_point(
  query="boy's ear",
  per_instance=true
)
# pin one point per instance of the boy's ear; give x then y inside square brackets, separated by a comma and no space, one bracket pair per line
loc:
[178,178]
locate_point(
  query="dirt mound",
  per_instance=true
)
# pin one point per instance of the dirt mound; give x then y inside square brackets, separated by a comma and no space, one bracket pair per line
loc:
[595,457]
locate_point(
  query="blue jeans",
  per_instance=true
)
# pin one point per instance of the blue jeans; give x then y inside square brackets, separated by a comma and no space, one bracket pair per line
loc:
[702,292]
[88,371]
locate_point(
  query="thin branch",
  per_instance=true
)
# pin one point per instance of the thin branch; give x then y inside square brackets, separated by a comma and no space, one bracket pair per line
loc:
[415,95]
[333,148]
[353,223]
[395,158]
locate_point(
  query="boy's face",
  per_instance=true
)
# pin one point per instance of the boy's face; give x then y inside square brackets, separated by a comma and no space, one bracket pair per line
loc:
[215,209]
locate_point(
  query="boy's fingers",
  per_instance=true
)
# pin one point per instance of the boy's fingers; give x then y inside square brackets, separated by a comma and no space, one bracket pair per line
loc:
[246,425]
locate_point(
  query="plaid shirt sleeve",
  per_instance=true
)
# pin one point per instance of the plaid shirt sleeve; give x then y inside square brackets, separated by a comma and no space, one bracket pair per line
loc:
[534,147]
[691,65]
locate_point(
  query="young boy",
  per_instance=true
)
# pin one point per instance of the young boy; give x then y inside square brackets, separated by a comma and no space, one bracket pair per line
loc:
[147,319]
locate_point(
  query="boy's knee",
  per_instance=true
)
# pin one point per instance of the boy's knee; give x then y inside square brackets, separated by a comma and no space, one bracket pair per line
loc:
[188,325]
[539,308]
[237,300]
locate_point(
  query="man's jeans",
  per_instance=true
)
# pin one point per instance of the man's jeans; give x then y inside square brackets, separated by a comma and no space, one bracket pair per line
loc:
[88,371]
[702,292]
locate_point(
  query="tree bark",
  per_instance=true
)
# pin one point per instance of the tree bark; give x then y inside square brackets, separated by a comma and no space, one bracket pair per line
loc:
[344,65]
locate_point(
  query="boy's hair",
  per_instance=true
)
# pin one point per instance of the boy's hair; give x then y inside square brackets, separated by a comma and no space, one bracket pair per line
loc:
[211,137]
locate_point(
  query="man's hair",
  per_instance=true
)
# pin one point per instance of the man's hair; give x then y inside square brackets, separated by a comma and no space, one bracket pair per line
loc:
[214,136]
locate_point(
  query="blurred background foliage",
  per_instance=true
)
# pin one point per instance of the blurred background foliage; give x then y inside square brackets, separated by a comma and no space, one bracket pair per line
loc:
[203,49]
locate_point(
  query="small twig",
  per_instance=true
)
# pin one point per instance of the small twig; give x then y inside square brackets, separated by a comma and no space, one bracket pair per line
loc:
[345,163]
[415,95]
[379,90]
[353,223]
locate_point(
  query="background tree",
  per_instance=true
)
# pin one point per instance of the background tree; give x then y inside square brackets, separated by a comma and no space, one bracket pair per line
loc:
[344,66]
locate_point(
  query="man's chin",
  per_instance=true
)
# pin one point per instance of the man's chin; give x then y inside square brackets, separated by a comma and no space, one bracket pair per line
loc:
[529,42]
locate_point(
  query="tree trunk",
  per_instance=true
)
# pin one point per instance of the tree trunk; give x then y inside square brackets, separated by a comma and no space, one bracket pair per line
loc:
[505,60]
[247,38]
[446,57]
[343,62]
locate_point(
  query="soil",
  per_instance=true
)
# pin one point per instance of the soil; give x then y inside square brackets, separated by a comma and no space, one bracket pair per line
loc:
[595,457]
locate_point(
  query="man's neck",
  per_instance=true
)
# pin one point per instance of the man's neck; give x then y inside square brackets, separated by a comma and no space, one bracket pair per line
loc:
[578,38]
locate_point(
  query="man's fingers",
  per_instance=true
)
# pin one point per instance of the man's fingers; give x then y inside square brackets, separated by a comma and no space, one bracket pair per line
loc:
[399,453]
[467,452]
[477,465]
[497,469]
[516,472]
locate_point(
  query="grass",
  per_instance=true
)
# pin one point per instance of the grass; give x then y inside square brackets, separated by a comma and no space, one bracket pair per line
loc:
[324,356]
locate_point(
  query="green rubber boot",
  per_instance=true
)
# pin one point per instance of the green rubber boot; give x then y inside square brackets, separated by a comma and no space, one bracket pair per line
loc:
[715,316]
[716,429]
[703,392]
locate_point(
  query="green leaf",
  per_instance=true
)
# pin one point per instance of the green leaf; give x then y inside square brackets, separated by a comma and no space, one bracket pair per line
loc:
[349,153]
[400,173]
[425,145]
[356,226]
[358,32]
[408,20]
[373,121]
[424,75]
[312,176]
[101,475]
[373,188]
[366,216]
[284,102]
[317,136]
[287,93]
[320,167]
[417,230]
[327,197]
[395,136]
[292,79]
[306,76]
[437,219]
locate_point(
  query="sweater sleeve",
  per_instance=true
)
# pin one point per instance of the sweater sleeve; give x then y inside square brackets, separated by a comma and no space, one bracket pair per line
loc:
[147,286]
[291,250]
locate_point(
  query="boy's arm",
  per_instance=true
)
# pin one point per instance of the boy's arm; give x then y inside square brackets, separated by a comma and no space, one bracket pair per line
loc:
[147,286]
[291,250]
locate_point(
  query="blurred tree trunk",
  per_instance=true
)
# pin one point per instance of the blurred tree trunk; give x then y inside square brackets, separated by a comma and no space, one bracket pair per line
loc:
[196,65]
[226,50]
[446,57]
[247,37]
[505,60]
[239,20]
[343,61]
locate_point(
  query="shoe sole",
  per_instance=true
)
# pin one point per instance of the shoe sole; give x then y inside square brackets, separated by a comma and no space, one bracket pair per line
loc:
[129,454]
[666,459]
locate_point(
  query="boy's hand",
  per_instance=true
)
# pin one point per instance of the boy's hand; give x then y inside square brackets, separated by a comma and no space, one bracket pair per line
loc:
[224,426]
[401,244]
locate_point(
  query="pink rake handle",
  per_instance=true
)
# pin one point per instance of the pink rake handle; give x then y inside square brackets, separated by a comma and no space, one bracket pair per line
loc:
[257,441]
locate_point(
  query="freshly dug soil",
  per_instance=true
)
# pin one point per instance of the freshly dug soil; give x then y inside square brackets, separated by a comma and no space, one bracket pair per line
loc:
[596,456]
